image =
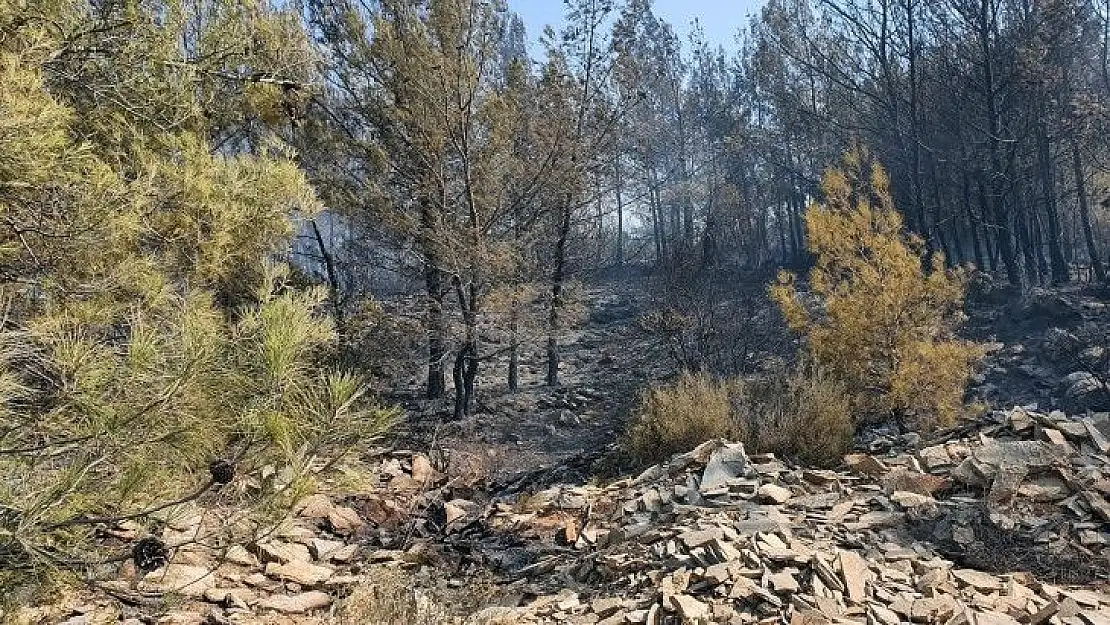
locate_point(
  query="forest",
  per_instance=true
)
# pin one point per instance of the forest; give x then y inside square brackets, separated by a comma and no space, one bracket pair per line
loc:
[320,310]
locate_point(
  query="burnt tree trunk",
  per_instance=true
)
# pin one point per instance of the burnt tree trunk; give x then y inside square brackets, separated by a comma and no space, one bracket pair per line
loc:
[1085,213]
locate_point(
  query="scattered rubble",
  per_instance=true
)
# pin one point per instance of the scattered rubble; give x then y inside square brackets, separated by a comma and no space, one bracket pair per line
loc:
[1004,521]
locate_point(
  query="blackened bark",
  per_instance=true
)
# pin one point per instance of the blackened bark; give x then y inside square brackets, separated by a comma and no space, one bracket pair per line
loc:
[1085,213]
[434,326]
[973,223]
[558,276]
[332,278]
[1048,190]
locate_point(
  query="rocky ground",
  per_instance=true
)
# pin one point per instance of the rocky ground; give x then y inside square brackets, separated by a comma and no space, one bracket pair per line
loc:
[1002,519]
[607,361]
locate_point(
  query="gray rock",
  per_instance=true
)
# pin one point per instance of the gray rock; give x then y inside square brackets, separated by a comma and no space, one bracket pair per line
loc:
[725,463]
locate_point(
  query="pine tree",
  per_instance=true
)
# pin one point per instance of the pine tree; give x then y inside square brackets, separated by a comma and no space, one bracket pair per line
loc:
[885,324]
[152,350]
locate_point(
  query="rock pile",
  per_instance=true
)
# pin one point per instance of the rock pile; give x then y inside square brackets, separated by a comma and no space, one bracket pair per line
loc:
[1005,521]
[1007,524]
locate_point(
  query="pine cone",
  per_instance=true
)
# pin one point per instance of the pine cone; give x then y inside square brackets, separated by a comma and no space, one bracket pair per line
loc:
[149,554]
[222,471]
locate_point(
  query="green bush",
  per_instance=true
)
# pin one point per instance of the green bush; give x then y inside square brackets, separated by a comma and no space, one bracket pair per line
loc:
[152,351]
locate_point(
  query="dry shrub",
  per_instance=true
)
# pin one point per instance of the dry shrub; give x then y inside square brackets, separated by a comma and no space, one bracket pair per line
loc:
[395,598]
[388,600]
[676,418]
[715,319]
[805,416]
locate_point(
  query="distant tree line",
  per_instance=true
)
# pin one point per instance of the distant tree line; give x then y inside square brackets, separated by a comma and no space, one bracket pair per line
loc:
[435,135]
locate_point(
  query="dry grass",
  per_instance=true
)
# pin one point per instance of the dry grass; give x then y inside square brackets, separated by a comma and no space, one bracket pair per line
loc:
[804,416]
[394,598]
[676,418]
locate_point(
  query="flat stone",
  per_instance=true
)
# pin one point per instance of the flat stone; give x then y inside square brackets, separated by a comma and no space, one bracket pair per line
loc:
[977,579]
[865,464]
[422,471]
[237,554]
[1044,488]
[1092,617]
[344,521]
[1098,439]
[717,574]
[933,609]
[1006,483]
[230,597]
[883,615]
[914,482]
[855,573]
[1028,454]
[606,607]
[1020,420]
[296,604]
[725,463]
[1098,504]
[180,579]
[973,473]
[697,538]
[774,494]
[692,610]
[907,499]
[990,617]
[783,582]
[303,573]
[316,506]
[457,509]
[283,552]
[321,548]
[344,554]
[935,457]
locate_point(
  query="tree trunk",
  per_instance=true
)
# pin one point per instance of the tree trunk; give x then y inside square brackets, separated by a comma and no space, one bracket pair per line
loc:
[1085,212]
[954,252]
[514,347]
[659,227]
[1002,217]
[783,249]
[332,277]
[915,140]
[973,223]
[1025,238]
[1048,190]
[990,242]
[466,361]
[620,214]
[558,275]
[435,327]
[434,323]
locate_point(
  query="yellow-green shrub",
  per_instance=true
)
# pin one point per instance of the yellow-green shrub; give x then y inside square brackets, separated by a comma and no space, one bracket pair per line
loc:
[676,418]
[885,325]
[805,416]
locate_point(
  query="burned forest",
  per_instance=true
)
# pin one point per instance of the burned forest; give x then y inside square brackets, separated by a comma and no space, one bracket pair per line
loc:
[597,312]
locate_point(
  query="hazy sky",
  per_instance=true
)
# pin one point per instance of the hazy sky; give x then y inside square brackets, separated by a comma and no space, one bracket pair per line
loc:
[720,19]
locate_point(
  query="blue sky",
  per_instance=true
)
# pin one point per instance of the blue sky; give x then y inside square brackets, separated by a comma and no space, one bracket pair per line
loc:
[720,19]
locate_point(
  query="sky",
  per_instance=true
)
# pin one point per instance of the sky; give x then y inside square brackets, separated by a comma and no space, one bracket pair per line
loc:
[720,19]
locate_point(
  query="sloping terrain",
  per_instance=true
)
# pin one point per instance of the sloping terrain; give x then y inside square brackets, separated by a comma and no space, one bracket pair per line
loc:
[1004,519]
